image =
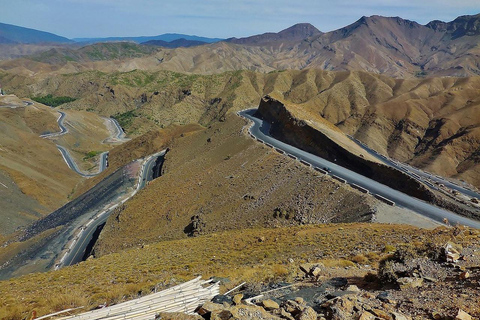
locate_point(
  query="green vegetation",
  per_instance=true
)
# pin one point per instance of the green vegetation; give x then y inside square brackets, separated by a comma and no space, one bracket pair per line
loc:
[91,154]
[125,119]
[52,101]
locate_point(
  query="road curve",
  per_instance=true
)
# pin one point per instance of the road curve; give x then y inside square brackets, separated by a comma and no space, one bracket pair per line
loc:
[120,133]
[78,246]
[63,129]
[260,130]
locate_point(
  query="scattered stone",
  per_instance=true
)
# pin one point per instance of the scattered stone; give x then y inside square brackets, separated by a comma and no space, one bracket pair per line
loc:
[237,299]
[366,316]
[464,275]
[382,314]
[299,300]
[399,316]
[462,315]
[406,283]
[385,297]
[221,315]
[315,271]
[269,304]
[293,307]
[209,307]
[452,253]
[285,314]
[307,314]
[430,279]
[247,312]
[353,288]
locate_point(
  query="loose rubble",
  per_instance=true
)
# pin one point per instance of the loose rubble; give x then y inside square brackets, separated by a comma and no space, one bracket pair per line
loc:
[399,291]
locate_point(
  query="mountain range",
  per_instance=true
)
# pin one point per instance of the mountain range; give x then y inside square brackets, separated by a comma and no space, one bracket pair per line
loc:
[387,45]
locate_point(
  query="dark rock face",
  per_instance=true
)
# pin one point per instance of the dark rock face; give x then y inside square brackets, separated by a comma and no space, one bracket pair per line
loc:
[298,133]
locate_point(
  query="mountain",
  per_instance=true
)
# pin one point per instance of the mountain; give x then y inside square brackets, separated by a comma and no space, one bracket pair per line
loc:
[179,43]
[168,37]
[295,33]
[14,34]
[385,45]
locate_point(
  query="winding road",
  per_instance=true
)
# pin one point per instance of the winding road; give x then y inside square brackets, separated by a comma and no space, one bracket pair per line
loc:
[260,131]
[118,135]
[78,245]
[62,131]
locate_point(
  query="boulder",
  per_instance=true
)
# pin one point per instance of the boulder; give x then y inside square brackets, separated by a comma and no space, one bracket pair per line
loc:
[208,307]
[247,312]
[221,315]
[237,299]
[382,314]
[352,288]
[339,308]
[269,304]
[307,314]
[462,315]
[399,316]
[366,316]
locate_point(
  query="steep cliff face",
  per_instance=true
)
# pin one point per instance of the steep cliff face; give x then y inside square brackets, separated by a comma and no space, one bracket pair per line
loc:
[299,133]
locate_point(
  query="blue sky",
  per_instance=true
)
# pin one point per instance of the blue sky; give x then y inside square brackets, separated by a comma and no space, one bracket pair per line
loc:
[213,18]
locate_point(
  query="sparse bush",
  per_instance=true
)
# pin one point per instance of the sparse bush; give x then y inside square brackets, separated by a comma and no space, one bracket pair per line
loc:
[386,271]
[360,259]
[389,248]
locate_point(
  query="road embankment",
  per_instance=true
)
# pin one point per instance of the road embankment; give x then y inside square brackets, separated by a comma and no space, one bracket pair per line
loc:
[297,132]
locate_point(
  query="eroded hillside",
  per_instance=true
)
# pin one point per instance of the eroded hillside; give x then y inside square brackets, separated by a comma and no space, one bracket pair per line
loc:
[431,123]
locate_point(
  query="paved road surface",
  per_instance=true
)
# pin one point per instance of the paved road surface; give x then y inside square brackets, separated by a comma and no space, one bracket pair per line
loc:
[63,129]
[78,247]
[260,130]
[412,171]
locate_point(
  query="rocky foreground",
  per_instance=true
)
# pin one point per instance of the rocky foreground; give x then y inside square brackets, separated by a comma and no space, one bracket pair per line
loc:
[437,283]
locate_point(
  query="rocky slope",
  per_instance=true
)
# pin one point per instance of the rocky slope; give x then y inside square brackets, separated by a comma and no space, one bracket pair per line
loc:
[335,259]
[220,179]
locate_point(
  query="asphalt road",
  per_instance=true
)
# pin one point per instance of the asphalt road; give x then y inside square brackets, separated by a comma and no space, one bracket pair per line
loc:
[120,133]
[63,129]
[66,155]
[77,248]
[412,171]
[73,165]
[260,130]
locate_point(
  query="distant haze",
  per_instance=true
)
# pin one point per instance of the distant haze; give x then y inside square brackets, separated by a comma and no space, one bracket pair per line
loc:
[213,18]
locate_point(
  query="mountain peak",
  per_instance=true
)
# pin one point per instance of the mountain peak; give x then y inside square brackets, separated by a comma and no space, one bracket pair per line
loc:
[294,33]
[468,25]
[300,30]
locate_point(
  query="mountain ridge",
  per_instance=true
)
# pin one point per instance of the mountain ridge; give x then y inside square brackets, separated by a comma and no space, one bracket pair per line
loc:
[15,34]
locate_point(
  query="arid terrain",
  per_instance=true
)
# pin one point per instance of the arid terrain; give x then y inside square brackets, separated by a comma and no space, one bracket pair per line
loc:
[229,207]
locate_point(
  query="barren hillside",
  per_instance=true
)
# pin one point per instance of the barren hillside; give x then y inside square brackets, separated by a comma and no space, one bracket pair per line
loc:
[431,123]
[385,45]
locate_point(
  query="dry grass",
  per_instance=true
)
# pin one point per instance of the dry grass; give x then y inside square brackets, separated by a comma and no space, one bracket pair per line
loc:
[237,255]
